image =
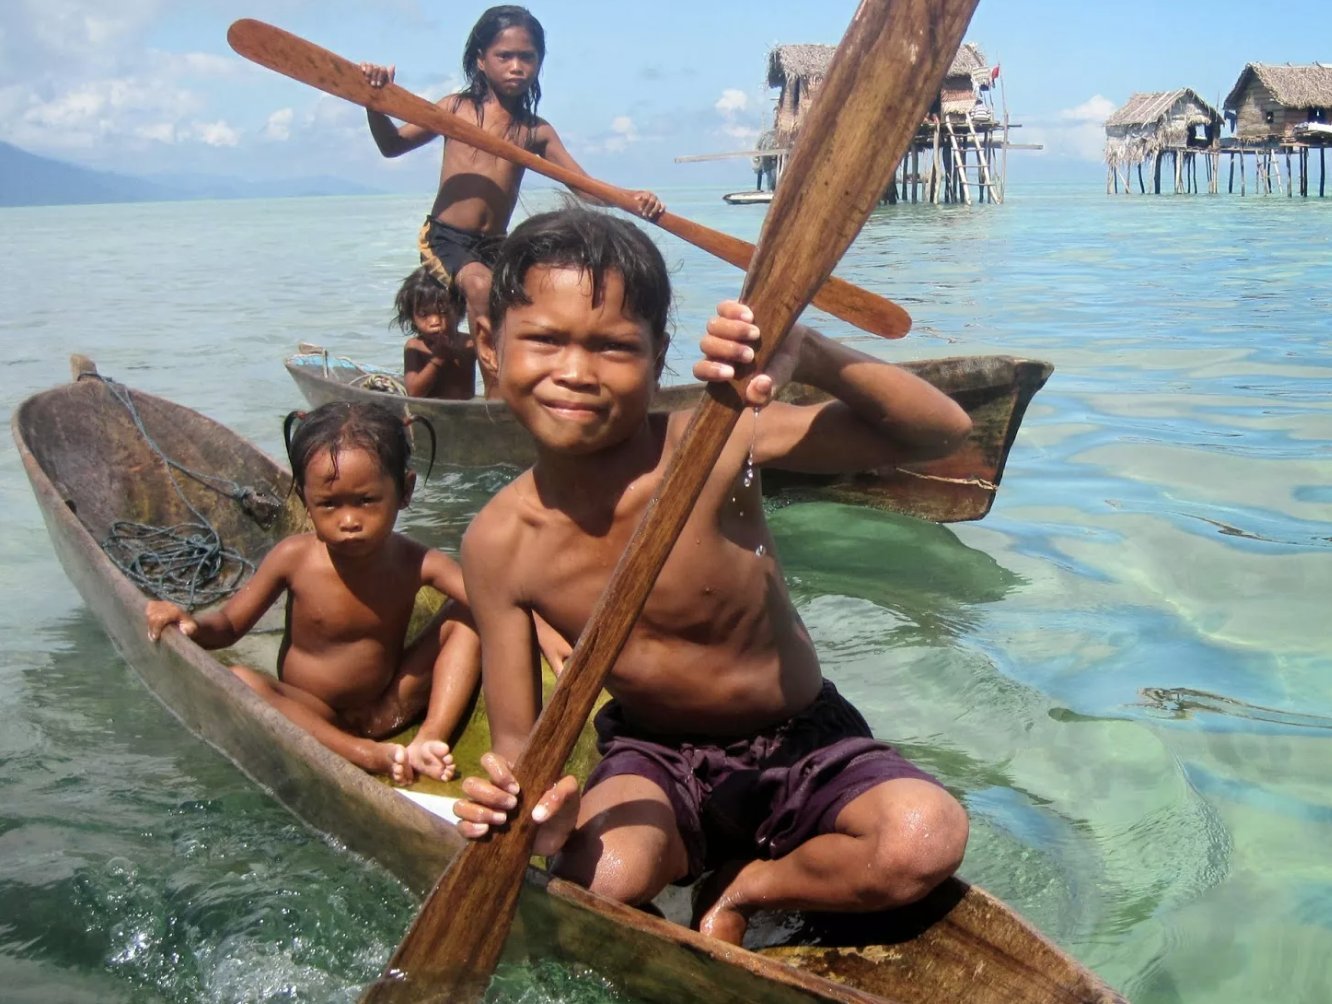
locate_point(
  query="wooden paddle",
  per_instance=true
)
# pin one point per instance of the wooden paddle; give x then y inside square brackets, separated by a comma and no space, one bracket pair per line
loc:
[884,74]
[294,57]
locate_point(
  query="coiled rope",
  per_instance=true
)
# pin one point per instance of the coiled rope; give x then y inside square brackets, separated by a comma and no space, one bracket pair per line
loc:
[186,563]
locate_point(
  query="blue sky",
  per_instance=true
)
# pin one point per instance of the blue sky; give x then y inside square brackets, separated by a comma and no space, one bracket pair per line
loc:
[150,86]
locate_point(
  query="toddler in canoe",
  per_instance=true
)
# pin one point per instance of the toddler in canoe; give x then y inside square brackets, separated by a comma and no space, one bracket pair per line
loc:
[437,360]
[346,671]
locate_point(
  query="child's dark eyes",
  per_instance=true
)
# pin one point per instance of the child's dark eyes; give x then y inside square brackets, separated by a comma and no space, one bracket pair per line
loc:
[539,338]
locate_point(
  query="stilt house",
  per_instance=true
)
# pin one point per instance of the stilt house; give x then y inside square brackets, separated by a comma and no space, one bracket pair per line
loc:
[1156,123]
[961,133]
[1279,104]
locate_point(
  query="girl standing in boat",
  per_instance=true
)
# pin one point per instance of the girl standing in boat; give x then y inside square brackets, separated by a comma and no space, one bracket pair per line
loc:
[345,670]
[478,191]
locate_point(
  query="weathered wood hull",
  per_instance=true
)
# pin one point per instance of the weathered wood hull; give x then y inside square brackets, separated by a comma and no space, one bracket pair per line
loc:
[89,466]
[995,391]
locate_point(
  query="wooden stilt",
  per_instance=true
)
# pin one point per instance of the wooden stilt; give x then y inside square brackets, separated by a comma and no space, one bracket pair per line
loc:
[1142,188]
[1290,177]
[938,165]
[1156,173]
[1255,161]
[1231,189]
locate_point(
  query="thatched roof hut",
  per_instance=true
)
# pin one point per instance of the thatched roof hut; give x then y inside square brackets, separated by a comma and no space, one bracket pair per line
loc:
[967,75]
[1268,101]
[1152,121]
[799,71]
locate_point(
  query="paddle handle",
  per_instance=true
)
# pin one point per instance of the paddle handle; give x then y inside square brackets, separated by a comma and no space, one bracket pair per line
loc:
[295,57]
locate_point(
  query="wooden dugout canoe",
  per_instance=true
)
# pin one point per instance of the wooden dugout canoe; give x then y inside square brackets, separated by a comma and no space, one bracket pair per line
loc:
[89,466]
[995,391]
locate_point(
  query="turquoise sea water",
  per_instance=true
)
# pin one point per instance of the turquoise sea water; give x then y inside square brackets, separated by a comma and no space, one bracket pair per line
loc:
[1123,670]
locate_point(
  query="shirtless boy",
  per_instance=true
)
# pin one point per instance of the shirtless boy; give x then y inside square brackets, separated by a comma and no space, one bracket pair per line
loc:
[724,748]
[477,191]
[346,673]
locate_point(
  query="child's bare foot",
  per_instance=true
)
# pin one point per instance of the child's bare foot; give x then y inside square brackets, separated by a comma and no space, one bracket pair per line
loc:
[431,758]
[714,913]
[400,770]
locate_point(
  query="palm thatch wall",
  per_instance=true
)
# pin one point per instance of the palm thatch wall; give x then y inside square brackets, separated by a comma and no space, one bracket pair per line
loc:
[1269,101]
[799,71]
[1159,120]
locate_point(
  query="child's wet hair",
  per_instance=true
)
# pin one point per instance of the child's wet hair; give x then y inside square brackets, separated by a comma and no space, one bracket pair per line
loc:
[593,243]
[487,28]
[422,293]
[352,425]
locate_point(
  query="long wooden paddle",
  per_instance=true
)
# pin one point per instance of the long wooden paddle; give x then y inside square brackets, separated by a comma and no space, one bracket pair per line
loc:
[887,69]
[294,57]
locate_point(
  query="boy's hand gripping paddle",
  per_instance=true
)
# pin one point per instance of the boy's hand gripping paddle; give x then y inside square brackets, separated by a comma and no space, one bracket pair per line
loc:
[885,73]
[304,61]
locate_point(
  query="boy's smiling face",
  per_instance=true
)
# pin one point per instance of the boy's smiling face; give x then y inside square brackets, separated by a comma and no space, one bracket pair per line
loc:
[578,375]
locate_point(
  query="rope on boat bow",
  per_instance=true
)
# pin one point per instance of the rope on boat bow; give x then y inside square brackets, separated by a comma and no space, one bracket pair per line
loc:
[186,563]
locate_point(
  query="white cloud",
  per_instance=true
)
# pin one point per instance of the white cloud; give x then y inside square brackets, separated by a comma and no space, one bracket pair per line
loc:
[159,132]
[740,117]
[1094,110]
[197,64]
[278,125]
[1077,132]
[732,101]
[216,133]
[623,134]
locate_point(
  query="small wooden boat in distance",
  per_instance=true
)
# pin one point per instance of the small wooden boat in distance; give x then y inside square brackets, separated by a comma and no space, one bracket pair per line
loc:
[91,464]
[755,198]
[994,390]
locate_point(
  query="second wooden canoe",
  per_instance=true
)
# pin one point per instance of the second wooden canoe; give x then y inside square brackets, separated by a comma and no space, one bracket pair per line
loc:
[994,390]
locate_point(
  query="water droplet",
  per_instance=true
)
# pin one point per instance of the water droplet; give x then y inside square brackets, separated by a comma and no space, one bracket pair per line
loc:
[749,461]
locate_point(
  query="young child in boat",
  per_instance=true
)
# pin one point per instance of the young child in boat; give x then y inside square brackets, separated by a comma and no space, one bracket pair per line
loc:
[724,748]
[345,670]
[437,360]
[477,191]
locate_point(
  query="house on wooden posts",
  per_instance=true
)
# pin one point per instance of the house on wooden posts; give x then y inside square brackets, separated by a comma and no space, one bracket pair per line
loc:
[961,136]
[1271,103]
[1278,110]
[1153,124]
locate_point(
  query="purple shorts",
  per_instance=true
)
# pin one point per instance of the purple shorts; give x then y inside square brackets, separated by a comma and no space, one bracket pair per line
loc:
[761,796]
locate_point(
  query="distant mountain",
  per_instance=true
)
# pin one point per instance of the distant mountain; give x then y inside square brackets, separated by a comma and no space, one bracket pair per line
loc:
[206,186]
[29,180]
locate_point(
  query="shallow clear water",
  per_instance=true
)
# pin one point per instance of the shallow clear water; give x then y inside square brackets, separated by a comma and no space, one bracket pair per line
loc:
[1123,670]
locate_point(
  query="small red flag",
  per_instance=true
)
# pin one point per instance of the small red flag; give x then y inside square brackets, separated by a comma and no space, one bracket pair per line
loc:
[994,73]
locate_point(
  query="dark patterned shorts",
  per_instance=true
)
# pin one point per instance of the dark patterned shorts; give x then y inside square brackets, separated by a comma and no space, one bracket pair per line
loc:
[453,248]
[762,796]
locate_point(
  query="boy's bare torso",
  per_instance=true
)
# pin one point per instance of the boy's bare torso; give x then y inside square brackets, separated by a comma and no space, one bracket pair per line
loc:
[345,634]
[477,190]
[718,650]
